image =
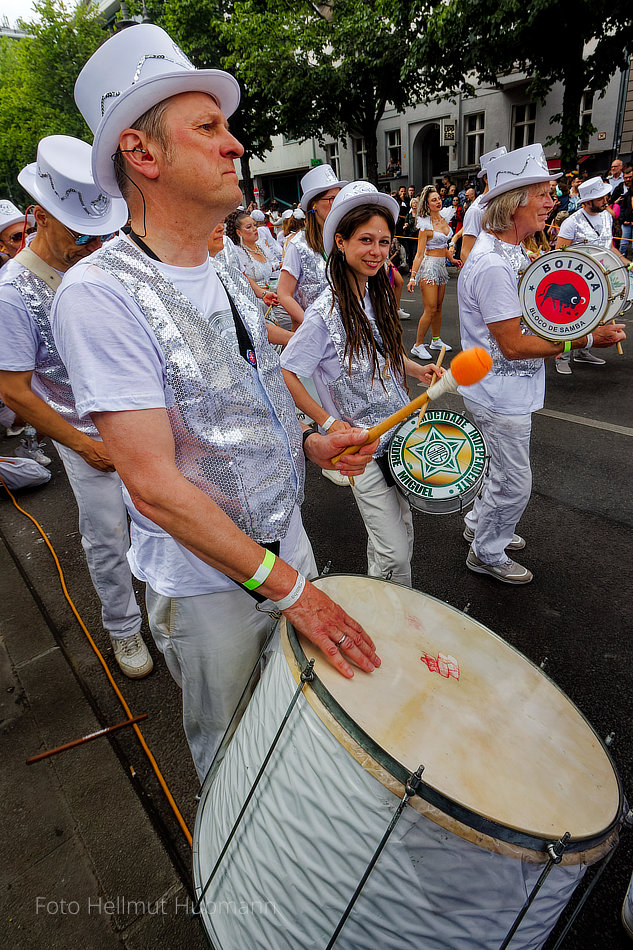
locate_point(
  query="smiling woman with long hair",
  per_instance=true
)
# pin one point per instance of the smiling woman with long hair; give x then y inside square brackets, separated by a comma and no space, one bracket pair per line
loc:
[350,343]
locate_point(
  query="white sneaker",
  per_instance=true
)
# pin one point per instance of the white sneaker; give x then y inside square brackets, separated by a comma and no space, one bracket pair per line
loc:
[627,916]
[439,344]
[15,430]
[509,572]
[516,544]
[30,449]
[132,656]
[335,477]
[420,351]
[403,314]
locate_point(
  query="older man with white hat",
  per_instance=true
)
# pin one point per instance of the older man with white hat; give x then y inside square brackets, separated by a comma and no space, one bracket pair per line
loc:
[73,216]
[502,404]
[592,223]
[175,368]
[471,228]
[13,227]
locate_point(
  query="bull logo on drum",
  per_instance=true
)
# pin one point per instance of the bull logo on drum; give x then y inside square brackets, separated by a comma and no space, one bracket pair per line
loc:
[562,296]
[565,295]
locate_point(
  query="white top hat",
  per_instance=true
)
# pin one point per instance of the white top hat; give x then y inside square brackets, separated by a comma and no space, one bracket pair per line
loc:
[517,169]
[9,214]
[133,71]
[593,189]
[318,179]
[61,182]
[488,157]
[258,215]
[353,195]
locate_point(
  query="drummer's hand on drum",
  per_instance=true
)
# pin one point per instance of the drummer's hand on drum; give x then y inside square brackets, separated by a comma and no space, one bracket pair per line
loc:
[609,334]
[327,625]
[321,449]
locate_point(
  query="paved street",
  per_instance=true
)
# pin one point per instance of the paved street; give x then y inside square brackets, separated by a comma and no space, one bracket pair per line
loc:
[93,822]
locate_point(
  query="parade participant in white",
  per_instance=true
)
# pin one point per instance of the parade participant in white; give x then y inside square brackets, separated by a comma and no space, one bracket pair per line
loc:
[350,342]
[72,215]
[264,235]
[13,227]
[592,223]
[176,371]
[472,219]
[501,404]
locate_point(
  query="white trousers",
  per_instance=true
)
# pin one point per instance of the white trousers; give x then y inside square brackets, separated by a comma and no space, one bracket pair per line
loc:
[105,538]
[507,488]
[389,524]
[211,643]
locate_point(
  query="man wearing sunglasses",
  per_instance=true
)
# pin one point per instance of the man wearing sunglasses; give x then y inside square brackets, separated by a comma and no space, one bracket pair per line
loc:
[73,217]
[13,228]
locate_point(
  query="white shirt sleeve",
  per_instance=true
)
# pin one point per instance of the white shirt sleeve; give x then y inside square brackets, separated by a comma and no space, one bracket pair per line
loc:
[19,337]
[472,220]
[113,359]
[494,287]
[568,228]
[311,348]
[292,263]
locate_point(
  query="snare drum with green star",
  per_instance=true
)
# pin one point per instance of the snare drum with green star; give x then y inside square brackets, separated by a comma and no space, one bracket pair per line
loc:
[440,465]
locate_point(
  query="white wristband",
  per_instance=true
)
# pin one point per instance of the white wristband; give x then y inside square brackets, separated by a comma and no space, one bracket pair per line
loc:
[589,341]
[329,422]
[291,599]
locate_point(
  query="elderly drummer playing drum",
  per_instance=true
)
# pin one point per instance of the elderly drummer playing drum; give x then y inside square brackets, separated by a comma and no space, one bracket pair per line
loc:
[490,316]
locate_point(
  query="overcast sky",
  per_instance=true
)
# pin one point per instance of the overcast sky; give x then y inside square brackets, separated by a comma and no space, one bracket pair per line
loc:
[13,9]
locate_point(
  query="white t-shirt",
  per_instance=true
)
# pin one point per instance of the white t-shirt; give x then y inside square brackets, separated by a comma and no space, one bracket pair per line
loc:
[487,293]
[472,218]
[311,353]
[581,227]
[115,363]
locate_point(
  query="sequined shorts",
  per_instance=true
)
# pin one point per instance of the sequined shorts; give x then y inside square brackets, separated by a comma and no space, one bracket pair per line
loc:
[433,271]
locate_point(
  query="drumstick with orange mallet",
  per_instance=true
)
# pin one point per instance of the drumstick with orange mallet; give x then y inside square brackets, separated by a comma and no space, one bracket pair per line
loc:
[468,367]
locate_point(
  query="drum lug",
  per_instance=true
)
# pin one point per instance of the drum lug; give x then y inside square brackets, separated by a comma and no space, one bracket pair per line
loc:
[555,849]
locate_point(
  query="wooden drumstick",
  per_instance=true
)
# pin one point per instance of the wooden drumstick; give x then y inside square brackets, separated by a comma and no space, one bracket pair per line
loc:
[433,380]
[468,367]
[618,346]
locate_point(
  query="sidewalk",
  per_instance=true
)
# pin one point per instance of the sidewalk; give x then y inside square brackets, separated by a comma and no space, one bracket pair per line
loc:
[82,866]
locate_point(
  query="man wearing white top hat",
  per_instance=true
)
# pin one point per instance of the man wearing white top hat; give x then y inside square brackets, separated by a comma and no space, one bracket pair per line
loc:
[472,219]
[12,228]
[72,216]
[175,368]
[502,404]
[592,223]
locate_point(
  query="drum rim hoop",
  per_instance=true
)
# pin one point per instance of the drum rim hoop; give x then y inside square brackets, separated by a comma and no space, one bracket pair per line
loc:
[437,799]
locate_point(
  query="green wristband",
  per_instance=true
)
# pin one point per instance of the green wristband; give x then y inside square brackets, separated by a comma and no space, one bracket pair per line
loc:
[262,572]
[567,346]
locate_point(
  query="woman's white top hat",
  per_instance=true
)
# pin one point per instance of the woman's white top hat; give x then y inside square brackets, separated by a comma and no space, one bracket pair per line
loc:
[488,157]
[61,182]
[133,71]
[318,179]
[593,188]
[353,195]
[517,169]
[9,215]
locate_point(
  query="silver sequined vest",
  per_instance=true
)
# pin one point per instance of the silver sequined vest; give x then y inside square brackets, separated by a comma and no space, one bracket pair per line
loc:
[593,229]
[518,260]
[312,281]
[222,423]
[53,375]
[359,396]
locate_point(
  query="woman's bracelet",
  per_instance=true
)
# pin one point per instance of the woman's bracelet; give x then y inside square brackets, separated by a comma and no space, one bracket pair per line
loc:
[329,422]
[261,573]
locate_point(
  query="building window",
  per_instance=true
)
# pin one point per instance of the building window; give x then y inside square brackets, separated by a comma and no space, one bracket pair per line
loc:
[474,137]
[523,124]
[360,158]
[332,158]
[586,108]
[394,147]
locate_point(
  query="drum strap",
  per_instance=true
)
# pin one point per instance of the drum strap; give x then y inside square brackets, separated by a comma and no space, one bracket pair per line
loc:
[383,464]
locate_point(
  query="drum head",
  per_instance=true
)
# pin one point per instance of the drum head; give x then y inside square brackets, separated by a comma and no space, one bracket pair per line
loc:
[505,752]
[564,295]
[439,466]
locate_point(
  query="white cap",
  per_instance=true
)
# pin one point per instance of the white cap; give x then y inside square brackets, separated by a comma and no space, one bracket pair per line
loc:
[133,71]
[258,215]
[488,157]
[353,195]
[298,214]
[60,180]
[593,188]
[319,179]
[517,169]
[286,214]
[9,214]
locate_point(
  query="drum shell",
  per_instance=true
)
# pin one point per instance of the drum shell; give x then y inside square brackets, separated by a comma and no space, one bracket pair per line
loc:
[307,836]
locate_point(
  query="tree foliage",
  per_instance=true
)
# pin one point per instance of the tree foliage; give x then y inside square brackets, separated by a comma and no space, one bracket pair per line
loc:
[38,76]
[494,37]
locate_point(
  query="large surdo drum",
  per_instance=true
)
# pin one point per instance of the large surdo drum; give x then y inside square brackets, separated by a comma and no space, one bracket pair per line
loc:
[566,294]
[510,765]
